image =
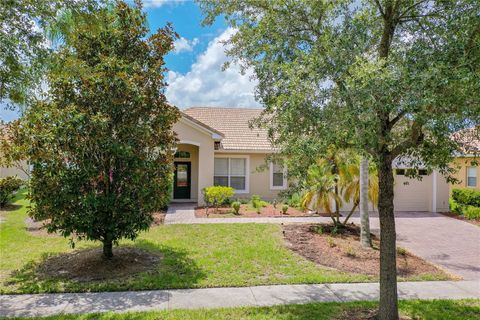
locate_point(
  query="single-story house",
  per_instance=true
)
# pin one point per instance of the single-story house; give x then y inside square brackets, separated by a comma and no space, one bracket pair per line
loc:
[217,147]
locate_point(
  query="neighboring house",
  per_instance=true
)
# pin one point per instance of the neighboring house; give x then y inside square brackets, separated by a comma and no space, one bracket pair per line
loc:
[20,169]
[217,147]
[467,160]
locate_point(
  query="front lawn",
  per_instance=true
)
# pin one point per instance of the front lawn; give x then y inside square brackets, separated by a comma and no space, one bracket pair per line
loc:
[414,309]
[191,256]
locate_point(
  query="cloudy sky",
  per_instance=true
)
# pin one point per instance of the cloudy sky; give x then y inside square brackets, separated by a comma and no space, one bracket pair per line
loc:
[195,77]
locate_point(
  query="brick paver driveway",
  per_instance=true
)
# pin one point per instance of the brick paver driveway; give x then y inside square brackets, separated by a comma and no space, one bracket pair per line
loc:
[447,242]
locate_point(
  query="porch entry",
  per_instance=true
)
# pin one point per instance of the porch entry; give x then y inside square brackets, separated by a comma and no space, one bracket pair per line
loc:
[182,180]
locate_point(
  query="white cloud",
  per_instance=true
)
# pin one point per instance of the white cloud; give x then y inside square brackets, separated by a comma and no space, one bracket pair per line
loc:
[159,3]
[207,85]
[184,45]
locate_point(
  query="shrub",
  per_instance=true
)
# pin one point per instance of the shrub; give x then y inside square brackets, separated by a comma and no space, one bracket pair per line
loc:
[454,206]
[401,251]
[467,197]
[257,203]
[236,207]
[217,195]
[295,200]
[471,212]
[285,208]
[8,187]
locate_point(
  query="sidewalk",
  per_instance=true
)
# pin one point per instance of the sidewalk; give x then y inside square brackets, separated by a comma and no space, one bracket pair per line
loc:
[51,304]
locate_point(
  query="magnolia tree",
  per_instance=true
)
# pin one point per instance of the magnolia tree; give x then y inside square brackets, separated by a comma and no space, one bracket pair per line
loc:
[101,143]
[389,78]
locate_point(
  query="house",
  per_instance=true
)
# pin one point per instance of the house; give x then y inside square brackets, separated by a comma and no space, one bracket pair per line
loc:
[19,169]
[217,147]
[466,160]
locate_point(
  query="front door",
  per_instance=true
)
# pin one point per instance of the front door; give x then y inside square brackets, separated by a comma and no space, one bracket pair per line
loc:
[181,182]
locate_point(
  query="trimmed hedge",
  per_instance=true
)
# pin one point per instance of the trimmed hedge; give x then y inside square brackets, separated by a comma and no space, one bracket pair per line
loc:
[466,197]
[465,202]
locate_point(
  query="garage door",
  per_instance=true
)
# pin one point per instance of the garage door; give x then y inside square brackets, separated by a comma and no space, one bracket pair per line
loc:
[413,194]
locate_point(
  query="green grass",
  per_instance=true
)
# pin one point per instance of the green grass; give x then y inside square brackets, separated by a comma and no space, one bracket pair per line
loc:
[416,309]
[193,256]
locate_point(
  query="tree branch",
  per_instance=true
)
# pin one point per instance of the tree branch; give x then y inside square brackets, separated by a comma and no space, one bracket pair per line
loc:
[379,5]
[417,136]
[409,8]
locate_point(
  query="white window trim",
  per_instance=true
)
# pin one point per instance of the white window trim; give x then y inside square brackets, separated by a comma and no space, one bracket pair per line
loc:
[476,176]
[247,170]
[284,186]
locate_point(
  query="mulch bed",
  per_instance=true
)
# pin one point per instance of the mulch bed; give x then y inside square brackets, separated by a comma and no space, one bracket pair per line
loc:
[37,228]
[362,314]
[460,217]
[158,218]
[89,265]
[344,252]
[247,211]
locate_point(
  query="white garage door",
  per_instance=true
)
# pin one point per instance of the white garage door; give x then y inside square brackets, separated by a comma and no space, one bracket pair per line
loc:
[413,194]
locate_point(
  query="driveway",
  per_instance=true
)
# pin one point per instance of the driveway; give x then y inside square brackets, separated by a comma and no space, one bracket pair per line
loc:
[447,242]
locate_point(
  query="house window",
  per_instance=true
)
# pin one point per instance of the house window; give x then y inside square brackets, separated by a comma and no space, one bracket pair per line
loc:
[182,154]
[278,179]
[471,176]
[231,172]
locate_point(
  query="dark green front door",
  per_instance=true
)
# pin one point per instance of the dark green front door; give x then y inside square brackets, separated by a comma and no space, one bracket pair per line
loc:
[182,180]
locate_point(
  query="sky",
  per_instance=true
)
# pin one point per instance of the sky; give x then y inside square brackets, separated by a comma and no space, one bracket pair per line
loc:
[195,74]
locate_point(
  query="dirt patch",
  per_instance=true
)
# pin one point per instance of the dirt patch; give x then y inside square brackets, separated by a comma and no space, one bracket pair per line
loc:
[462,218]
[247,211]
[362,314]
[37,228]
[158,218]
[88,265]
[344,252]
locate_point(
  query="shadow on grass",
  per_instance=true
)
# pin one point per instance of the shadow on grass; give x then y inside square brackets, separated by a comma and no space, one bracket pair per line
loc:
[174,270]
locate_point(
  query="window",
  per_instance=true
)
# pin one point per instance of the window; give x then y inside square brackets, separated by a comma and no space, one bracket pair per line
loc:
[278,179]
[182,154]
[231,172]
[471,176]
[400,172]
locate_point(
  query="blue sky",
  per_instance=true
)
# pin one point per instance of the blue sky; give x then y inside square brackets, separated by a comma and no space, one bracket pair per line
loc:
[195,77]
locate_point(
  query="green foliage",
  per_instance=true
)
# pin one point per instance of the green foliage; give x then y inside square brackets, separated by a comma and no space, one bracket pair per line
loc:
[236,207]
[257,203]
[454,206]
[295,200]
[471,212]
[285,208]
[217,195]
[467,197]
[23,53]
[8,187]
[101,142]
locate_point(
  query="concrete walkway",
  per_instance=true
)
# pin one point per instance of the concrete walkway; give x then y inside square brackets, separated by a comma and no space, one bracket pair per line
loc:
[452,244]
[50,304]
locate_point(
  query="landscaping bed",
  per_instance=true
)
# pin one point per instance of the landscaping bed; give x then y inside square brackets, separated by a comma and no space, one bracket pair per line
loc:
[246,210]
[461,218]
[342,250]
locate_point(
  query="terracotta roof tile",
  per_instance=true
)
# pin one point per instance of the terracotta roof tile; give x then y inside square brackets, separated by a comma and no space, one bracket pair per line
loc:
[234,124]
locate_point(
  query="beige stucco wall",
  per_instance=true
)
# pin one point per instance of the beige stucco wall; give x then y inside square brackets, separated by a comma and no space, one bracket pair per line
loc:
[461,164]
[204,143]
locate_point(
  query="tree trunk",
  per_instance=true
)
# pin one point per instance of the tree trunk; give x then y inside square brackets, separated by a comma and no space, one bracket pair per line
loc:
[365,238]
[337,205]
[107,248]
[388,267]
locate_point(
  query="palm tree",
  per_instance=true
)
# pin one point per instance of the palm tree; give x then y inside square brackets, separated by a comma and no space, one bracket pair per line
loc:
[349,178]
[321,185]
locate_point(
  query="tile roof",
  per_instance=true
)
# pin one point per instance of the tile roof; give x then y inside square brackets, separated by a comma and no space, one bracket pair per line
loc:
[468,140]
[234,124]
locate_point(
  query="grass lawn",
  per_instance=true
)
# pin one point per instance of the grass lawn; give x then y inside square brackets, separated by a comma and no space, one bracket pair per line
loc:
[193,256]
[415,309]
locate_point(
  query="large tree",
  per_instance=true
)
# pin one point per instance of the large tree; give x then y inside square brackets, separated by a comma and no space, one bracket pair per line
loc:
[390,78]
[101,143]
[24,49]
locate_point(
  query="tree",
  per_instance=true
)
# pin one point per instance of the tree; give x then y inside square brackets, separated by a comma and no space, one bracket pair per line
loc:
[101,144]
[365,238]
[389,78]
[24,51]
